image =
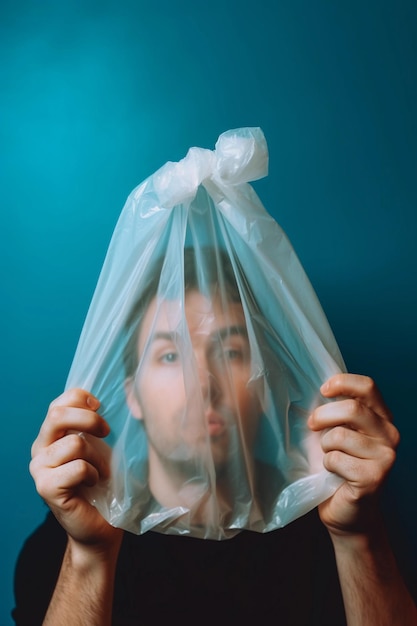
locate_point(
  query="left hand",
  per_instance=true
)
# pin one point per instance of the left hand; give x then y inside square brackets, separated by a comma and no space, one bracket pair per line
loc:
[359,442]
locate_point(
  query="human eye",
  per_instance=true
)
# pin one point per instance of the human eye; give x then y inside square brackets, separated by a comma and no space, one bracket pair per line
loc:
[169,357]
[234,351]
[231,346]
[164,349]
[233,354]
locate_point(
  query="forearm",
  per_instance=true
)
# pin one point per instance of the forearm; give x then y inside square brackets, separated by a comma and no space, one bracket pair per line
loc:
[373,589]
[83,594]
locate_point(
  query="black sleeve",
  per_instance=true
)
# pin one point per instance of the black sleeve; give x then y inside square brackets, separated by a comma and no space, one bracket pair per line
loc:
[328,607]
[37,571]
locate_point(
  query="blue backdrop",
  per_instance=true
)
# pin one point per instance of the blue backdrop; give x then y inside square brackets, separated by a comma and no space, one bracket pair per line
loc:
[97,95]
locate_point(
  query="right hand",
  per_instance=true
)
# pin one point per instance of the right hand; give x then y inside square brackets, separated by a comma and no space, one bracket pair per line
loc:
[64,464]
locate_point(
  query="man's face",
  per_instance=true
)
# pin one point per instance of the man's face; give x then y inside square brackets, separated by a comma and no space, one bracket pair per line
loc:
[191,389]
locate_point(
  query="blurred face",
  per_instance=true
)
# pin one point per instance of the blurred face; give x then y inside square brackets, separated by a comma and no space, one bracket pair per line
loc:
[191,389]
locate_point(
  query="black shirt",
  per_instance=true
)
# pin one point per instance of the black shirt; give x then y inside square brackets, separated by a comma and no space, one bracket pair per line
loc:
[286,577]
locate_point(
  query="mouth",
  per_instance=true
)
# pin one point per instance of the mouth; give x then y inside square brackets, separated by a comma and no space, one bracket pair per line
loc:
[216,424]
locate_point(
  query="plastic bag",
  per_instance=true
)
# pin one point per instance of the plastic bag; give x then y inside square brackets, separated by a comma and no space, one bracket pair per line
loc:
[206,346]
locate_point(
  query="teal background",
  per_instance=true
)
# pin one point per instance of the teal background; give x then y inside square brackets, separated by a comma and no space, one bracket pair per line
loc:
[95,96]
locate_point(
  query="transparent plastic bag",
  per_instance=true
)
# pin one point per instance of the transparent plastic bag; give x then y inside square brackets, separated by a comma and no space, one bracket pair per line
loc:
[206,346]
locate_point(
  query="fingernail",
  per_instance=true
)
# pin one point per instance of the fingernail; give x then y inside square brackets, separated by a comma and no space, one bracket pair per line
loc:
[324,387]
[93,403]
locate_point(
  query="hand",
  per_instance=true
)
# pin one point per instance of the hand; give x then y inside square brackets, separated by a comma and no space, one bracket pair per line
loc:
[359,443]
[63,464]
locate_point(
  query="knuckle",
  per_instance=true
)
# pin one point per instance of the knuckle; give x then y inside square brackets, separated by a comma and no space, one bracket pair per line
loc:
[32,468]
[75,395]
[81,468]
[75,445]
[352,407]
[393,435]
[389,458]
[331,460]
[369,385]
[377,478]
[42,484]
[34,449]
[373,481]
[85,472]
[54,402]
[70,397]
[55,413]
[338,436]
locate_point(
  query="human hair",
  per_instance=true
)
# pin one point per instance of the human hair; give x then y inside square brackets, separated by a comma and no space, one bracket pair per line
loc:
[206,269]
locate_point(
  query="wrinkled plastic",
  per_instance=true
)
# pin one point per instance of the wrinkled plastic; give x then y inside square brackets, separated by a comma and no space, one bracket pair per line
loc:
[206,346]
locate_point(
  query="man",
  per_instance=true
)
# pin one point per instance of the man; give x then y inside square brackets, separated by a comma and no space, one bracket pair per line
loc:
[201,430]
[97,574]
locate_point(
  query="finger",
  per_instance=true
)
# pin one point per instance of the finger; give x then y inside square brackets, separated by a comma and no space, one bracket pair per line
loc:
[59,483]
[348,441]
[77,398]
[61,418]
[362,474]
[352,414]
[71,448]
[356,386]
[357,444]
[346,412]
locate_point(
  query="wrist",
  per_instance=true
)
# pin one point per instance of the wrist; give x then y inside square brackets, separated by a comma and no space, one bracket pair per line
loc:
[362,543]
[357,522]
[352,541]
[87,557]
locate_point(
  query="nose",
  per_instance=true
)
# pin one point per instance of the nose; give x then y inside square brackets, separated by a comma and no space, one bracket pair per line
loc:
[209,381]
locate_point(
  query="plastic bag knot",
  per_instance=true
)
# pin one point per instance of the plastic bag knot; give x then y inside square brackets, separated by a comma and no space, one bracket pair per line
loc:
[240,156]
